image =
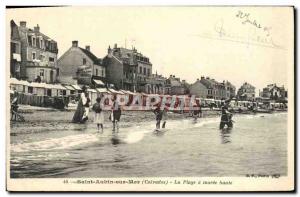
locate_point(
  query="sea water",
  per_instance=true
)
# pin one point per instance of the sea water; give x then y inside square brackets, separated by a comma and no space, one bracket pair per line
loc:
[47,145]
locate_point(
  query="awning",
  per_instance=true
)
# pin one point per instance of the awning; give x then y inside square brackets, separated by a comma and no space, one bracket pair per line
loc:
[115,91]
[69,87]
[92,90]
[98,82]
[37,85]
[76,87]
[18,82]
[57,86]
[102,90]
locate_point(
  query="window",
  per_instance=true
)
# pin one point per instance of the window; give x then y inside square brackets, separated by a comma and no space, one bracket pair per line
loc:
[145,71]
[141,70]
[13,47]
[29,40]
[33,41]
[57,71]
[96,72]
[148,71]
[83,61]
[102,73]
[41,72]
[33,56]
[30,90]
[51,59]
[49,92]
[41,44]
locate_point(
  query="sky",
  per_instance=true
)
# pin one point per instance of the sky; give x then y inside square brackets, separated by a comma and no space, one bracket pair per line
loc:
[238,44]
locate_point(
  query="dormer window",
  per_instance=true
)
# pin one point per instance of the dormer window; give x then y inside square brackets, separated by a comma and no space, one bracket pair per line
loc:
[84,61]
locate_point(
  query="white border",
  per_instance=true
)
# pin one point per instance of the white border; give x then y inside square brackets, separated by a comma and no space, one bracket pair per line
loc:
[107,2]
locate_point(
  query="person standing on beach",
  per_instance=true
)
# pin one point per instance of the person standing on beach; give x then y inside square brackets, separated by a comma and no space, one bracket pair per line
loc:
[158,115]
[99,117]
[77,117]
[85,116]
[115,114]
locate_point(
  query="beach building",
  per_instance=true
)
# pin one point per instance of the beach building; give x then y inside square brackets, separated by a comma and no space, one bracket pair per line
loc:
[127,69]
[154,84]
[176,86]
[274,92]
[80,66]
[15,51]
[198,89]
[33,54]
[246,92]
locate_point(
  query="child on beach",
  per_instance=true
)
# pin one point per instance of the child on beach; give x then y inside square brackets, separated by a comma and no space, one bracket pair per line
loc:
[99,118]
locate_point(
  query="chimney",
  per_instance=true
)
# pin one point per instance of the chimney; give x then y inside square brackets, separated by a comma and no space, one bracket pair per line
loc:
[116,46]
[23,23]
[207,77]
[198,79]
[202,77]
[37,28]
[88,48]
[74,43]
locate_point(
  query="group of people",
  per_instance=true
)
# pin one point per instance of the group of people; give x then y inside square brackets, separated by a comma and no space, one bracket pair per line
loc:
[82,111]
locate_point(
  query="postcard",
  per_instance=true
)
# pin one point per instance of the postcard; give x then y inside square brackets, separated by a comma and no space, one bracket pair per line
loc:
[150,98]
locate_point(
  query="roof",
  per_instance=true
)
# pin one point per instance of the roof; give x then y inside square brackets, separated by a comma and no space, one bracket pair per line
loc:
[91,56]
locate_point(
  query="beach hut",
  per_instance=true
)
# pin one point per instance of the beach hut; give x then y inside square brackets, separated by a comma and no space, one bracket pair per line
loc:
[38,88]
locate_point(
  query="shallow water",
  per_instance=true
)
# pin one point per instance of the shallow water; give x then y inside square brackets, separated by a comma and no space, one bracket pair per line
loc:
[47,145]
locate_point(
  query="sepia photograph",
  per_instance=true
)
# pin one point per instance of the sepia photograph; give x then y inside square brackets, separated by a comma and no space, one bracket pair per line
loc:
[150,98]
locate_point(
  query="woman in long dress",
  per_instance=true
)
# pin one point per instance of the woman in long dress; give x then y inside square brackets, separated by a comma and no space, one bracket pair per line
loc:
[77,118]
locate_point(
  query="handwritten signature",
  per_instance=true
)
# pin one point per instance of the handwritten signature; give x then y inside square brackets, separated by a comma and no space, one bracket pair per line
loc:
[259,35]
[252,38]
[245,17]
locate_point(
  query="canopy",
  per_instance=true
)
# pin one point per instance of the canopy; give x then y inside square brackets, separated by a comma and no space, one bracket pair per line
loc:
[56,86]
[115,91]
[98,82]
[92,90]
[69,87]
[102,90]
[76,87]
[128,92]
[18,82]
